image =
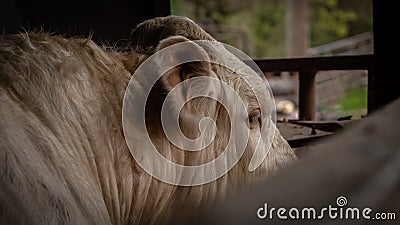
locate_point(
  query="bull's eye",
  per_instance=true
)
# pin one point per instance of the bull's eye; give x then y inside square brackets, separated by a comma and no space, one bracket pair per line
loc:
[184,75]
[254,119]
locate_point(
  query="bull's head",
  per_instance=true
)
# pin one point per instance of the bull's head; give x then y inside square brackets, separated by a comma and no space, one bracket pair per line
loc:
[199,113]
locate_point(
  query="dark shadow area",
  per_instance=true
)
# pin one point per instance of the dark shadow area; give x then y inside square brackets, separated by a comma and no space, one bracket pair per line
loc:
[110,21]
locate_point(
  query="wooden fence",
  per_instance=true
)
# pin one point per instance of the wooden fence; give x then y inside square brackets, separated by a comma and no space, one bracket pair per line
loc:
[307,69]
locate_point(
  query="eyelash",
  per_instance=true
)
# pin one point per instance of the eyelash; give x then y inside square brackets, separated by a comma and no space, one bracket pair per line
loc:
[252,120]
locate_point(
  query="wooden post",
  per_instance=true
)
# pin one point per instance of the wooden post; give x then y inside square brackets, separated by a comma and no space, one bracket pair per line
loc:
[297,28]
[371,97]
[307,104]
[297,42]
[385,88]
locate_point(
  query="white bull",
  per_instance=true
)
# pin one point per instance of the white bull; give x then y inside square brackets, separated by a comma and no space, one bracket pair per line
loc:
[63,154]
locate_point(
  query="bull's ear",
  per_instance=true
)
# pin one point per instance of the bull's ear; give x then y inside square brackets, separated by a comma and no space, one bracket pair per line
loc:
[181,59]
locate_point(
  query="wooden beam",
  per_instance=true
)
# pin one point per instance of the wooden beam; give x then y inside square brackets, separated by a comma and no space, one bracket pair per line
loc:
[348,62]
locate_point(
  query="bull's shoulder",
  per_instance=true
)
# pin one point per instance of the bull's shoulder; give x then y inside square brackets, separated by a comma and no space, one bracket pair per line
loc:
[35,57]
[40,69]
[58,98]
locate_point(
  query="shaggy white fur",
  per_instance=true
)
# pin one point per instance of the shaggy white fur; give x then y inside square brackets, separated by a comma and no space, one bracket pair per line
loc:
[63,156]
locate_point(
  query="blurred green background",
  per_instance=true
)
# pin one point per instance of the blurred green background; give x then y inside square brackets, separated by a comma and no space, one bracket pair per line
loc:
[260,24]
[261,29]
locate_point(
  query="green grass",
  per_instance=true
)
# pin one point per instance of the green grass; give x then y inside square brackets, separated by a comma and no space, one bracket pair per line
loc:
[354,99]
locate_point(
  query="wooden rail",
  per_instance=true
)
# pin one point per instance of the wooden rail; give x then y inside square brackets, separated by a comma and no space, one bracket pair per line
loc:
[307,69]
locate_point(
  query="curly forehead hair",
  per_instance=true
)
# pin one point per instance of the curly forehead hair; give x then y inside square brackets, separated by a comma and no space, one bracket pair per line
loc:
[147,35]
